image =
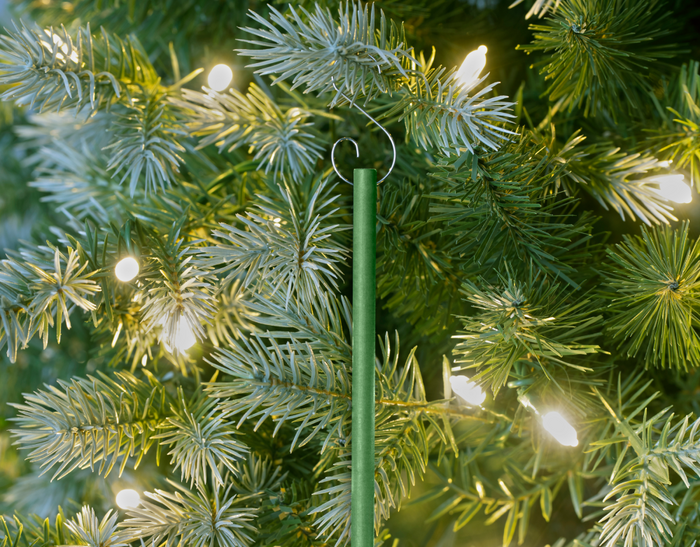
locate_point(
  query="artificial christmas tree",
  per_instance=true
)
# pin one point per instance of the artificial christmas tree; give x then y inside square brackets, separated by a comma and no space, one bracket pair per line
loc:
[178,317]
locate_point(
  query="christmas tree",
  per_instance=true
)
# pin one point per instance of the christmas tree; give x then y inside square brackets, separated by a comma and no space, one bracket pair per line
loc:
[175,286]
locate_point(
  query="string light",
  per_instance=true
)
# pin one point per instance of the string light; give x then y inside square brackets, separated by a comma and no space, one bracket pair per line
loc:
[673,188]
[467,390]
[128,499]
[560,429]
[127,269]
[220,77]
[472,66]
[184,336]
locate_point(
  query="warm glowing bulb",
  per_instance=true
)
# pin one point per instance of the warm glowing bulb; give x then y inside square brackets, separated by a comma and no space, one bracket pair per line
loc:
[560,429]
[184,336]
[128,499]
[467,390]
[220,77]
[673,188]
[127,269]
[472,66]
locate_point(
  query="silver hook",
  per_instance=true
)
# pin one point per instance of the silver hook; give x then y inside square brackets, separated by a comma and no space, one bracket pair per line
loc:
[357,148]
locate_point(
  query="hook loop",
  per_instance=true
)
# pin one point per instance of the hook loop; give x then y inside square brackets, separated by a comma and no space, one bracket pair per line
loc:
[357,148]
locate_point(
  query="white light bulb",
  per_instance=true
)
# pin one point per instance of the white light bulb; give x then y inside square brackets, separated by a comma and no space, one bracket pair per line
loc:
[673,188]
[127,269]
[128,499]
[467,390]
[472,66]
[184,336]
[220,77]
[560,429]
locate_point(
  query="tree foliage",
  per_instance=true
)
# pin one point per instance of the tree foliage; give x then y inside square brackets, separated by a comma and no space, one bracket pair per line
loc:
[217,381]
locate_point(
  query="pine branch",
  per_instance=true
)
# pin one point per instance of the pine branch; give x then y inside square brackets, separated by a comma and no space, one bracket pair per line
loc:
[146,141]
[441,112]
[289,384]
[121,333]
[91,422]
[279,139]
[655,281]
[616,179]
[415,260]
[232,315]
[77,182]
[255,477]
[639,515]
[322,322]
[178,297]
[88,131]
[533,321]
[291,243]
[503,206]
[88,530]
[202,440]
[601,52]
[540,8]
[55,70]
[317,51]
[38,290]
[199,518]
[465,487]
[677,139]
[37,494]
[56,75]
[34,531]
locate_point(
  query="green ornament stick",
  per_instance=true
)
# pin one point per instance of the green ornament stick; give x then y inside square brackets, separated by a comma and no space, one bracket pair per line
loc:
[364,247]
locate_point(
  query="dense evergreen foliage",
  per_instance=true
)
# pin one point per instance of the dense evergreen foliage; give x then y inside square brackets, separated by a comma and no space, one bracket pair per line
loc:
[526,240]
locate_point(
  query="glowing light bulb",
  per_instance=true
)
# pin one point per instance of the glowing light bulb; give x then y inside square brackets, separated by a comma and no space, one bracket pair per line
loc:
[472,66]
[560,429]
[127,269]
[184,336]
[128,499]
[673,188]
[220,77]
[467,390]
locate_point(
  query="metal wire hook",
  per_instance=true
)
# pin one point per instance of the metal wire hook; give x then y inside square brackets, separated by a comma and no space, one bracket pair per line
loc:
[357,148]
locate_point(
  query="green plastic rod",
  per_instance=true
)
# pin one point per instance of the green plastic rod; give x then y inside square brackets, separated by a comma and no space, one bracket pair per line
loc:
[364,247]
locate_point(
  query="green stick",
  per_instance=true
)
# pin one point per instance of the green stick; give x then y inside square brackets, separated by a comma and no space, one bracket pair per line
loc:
[363,331]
